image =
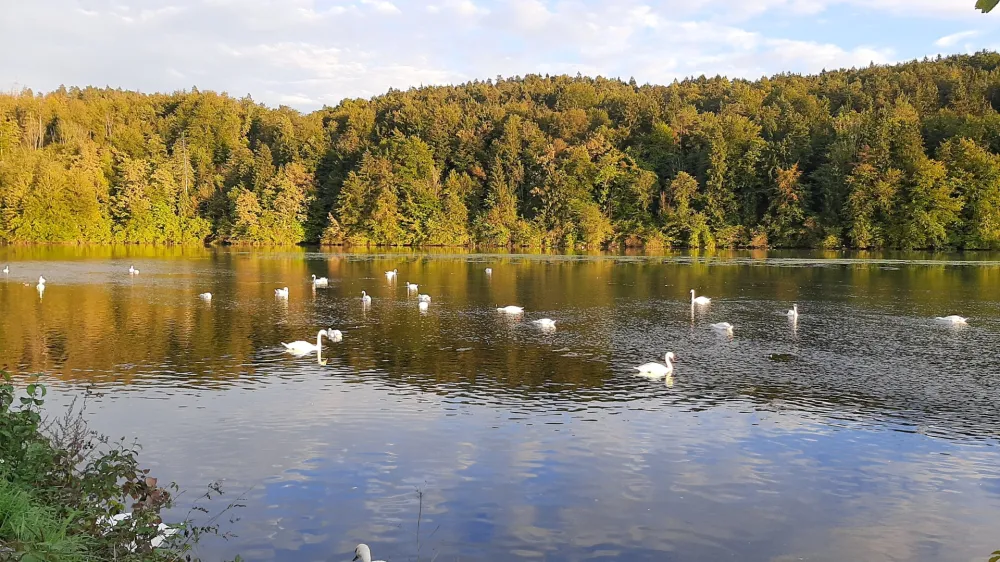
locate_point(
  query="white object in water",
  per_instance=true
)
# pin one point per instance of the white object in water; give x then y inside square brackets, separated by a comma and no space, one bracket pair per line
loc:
[205,296]
[546,323]
[303,347]
[320,281]
[699,300]
[281,293]
[953,319]
[364,554]
[391,274]
[41,280]
[365,299]
[132,270]
[723,327]
[657,370]
[794,312]
[6,269]
[163,531]
[510,309]
[334,335]
[489,271]
[423,306]
[411,286]
[424,298]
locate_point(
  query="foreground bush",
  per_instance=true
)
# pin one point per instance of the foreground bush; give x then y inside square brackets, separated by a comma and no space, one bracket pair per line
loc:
[60,485]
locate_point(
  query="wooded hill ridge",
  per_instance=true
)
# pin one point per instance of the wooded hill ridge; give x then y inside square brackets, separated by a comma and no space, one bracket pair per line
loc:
[902,156]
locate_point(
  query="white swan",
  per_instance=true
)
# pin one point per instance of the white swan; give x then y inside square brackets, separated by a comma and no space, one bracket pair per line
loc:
[281,293]
[132,270]
[365,299]
[953,319]
[205,296]
[424,298]
[163,531]
[723,327]
[545,323]
[423,305]
[657,370]
[489,271]
[699,300]
[320,281]
[364,554]
[391,274]
[303,347]
[794,312]
[510,309]
[41,280]
[334,335]
[6,269]
[411,286]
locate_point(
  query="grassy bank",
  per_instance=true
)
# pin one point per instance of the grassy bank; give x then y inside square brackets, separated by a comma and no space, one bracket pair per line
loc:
[61,484]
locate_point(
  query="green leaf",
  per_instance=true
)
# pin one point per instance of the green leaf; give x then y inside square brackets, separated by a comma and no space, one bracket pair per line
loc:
[995,557]
[986,6]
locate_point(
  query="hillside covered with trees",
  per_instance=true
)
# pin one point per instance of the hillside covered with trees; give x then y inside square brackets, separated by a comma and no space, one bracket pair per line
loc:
[906,156]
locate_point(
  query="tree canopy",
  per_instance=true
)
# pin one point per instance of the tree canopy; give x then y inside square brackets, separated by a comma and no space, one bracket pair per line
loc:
[879,157]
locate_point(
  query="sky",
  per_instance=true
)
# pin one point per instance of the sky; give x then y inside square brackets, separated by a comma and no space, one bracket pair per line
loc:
[311,53]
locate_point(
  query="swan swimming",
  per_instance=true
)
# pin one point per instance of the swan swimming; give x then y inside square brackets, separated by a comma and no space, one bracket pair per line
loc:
[723,327]
[132,270]
[794,312]
[6,269]
[205,296]
[424,298]
[510,309]
[390,274]
[545,323]
[489,271]
[657,370]
[41,280]
[281,293]
[411,286]
[953,319]
[303,347]
[334,335]
[423,306]
[699,300]
[163,531]
[365,299]
[320,281]
[364,554]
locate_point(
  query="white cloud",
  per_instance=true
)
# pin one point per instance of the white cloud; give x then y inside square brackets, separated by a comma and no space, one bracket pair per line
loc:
[382,6]
[954,8]
[530,14]
[955,38]
[313,52]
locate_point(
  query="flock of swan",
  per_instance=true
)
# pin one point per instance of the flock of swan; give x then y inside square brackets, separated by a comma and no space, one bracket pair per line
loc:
[302,347]
[652,369]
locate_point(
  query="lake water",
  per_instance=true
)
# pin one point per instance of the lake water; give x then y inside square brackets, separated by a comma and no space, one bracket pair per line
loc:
[863,431]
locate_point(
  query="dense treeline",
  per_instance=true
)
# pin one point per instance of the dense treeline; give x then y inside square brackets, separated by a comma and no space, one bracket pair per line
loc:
[903,156]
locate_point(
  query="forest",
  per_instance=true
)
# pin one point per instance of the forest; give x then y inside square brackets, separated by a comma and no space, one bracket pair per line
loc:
[903,156]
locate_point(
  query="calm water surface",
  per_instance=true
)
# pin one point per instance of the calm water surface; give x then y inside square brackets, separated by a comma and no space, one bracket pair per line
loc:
[863,431]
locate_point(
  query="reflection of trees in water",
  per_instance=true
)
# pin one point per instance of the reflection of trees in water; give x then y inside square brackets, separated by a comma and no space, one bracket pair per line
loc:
[105,331]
